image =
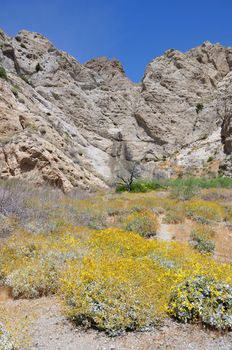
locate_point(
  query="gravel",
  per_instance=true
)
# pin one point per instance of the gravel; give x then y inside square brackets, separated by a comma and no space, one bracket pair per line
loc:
[52,331]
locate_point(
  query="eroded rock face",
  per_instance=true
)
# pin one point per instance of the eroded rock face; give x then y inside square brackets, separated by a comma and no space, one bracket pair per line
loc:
[80,125]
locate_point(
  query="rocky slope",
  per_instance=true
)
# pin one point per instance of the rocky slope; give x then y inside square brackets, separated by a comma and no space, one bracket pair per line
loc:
[78,125]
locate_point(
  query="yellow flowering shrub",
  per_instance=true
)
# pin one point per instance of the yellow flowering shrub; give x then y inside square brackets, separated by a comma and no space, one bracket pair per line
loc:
[204,211]
[126,282]
[143,222]
[31,264]
[115,296]
[203,299]
[111,279]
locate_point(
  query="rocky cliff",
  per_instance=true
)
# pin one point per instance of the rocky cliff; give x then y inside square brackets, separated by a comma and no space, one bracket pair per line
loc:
[78,125]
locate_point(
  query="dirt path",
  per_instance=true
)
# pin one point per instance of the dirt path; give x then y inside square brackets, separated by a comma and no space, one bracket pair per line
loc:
[164,233]
[50,330]
[181,233]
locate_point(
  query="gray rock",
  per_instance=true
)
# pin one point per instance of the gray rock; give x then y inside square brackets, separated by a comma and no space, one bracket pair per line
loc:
[76,125]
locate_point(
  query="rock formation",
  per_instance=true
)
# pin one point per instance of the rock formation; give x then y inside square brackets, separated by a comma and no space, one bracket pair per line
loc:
[79,125]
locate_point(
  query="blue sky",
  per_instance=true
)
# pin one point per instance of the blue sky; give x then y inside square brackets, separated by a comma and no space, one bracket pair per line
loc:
[134,31]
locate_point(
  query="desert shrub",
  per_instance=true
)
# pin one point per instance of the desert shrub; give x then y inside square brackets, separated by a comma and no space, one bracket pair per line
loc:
[228,213]
[111,279]
[14,91]
[7,225]
[175,215]
[218,182]
[36,279]
[3,74]
[184,192]
[89,218]
[203,299]
[38,67]
[126,282]
[201,238]
[203,231]
[204,211]
[6,340]
[203,245]
[141,186]
[31,264]
[215,194]
[114,296]
[12,199]
[199,107]
[143,222]
[24,78]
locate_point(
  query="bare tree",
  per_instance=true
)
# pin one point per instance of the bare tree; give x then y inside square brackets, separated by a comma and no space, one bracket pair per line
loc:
[128,180]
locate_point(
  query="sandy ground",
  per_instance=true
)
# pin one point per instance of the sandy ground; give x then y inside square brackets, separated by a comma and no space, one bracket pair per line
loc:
[50,330]
[181,233]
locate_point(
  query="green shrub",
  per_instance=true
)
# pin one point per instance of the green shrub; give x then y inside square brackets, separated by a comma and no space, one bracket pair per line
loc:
[218,182]
[3,74]
[38,278]
[203,211]
[141,186]
[6,340]
[199,107]
[203,299]
[228,213]
[184,192]
[187,185]
[202,231]
[143,222]
[201,239]
[14,91]
[24,78]
[7,225]
[210,159]
[175,215]
[38,67]
[203,245]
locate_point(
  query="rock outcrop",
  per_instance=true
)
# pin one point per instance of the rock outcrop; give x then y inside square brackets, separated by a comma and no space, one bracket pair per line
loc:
[75,125]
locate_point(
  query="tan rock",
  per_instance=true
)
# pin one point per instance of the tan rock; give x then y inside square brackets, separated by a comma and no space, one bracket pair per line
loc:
[78,125]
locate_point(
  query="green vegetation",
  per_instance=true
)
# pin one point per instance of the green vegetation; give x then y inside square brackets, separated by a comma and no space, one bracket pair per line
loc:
[14,90]
[141,186]
[204,211]
[199,107]
[184,192]
[38,67]
[218,182]
[100,255]
[210,159]
[201,238]
[202,299]
[24,78]
[175,214]
[3,74]
[143,222]
[188,186]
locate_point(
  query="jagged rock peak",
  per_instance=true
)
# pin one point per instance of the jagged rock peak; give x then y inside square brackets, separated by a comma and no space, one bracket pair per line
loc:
[103,65]
[79,125]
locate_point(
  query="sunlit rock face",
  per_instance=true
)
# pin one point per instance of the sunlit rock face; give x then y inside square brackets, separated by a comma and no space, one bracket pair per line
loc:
[79,125]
